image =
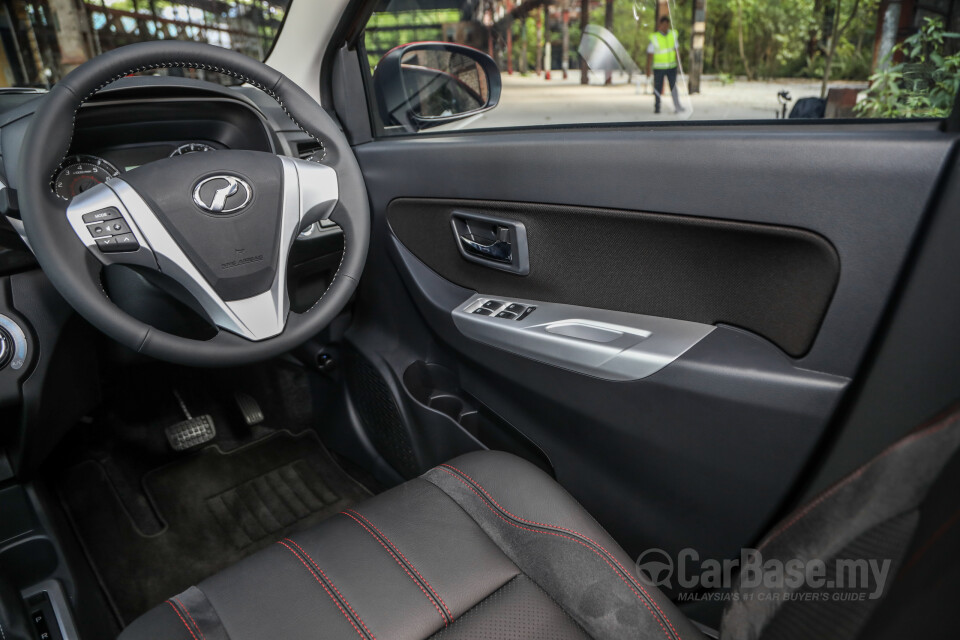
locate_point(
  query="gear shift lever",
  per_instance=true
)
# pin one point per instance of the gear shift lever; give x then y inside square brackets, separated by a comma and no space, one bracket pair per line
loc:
[14,622]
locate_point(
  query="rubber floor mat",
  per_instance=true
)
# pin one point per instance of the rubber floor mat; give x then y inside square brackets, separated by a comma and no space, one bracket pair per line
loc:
[217,508]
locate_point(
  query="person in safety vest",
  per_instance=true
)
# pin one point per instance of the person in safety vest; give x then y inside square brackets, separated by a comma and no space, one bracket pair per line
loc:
[662,57]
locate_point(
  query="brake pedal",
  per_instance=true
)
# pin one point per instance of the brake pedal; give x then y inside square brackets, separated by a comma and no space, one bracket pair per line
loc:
[190,432]
[249,408]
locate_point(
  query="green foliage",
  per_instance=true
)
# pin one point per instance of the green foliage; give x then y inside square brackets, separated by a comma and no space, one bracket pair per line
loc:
[786,39]
[922,85]
[388,29]
[781,39]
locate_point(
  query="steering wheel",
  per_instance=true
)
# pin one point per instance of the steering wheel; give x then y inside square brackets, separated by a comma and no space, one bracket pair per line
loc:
[220,225]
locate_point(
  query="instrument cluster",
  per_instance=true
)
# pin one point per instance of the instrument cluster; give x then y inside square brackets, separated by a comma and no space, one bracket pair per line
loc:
[81,172]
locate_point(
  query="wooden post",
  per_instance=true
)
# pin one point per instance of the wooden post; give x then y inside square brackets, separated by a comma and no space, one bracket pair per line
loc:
[608,23]
[584,21]
[509,8]
[565,31]
[696,45]
[523,45]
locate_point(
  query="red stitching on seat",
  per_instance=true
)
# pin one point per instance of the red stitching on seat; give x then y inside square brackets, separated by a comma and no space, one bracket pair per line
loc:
[317,578]
[402,566]
[580,542]
[799,515]
[327,578]
[187,611]
[395,548]
[176,611]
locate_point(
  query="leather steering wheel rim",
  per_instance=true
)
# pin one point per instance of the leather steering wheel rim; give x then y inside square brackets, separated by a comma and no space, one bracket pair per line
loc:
[75,271]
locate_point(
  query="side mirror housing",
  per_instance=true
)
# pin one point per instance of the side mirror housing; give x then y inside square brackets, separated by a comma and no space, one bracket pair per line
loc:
[427,84]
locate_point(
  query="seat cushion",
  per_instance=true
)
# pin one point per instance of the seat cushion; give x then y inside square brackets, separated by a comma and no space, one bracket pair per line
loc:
[484,546]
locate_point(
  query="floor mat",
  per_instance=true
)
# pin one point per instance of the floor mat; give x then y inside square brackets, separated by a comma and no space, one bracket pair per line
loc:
[216,508]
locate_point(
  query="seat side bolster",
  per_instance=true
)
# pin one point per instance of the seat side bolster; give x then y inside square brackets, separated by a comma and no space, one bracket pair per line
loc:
[553,540]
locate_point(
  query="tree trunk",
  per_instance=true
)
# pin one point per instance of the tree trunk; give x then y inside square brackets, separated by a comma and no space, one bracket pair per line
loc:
[743,56]
[697,42]
[836,32]
[584,21]
[538,65]
[608,23]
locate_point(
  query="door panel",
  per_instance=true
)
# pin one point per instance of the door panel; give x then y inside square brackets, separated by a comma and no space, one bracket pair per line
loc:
[796,233]
[774,280]
[862,188]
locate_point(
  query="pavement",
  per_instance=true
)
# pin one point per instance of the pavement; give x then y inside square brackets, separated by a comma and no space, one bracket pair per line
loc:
[531,100]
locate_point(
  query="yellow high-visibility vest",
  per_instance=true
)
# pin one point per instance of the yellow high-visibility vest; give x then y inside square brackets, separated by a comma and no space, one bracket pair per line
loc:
[665,49]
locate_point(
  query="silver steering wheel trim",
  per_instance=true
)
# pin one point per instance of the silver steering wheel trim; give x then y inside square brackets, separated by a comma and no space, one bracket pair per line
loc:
[310,194]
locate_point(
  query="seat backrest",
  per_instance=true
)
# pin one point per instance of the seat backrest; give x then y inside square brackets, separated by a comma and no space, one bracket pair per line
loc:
[824,571]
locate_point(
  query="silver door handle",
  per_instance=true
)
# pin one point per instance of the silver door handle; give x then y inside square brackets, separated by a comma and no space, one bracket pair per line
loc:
[499,249]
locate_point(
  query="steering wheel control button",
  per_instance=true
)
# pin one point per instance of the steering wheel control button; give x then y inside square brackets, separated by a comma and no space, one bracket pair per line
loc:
[110,213]
[481,311]
[126,242]
[118,227]
[110,228]
[117,244]
[99,230]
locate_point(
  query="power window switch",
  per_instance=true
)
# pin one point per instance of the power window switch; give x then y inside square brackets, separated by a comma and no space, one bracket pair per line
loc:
[506,315]
[515,308]
[483,312]
[493,305]
[526,312]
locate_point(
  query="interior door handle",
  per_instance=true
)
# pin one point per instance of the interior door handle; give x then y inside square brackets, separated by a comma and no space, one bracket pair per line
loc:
[496,243]
[499,249]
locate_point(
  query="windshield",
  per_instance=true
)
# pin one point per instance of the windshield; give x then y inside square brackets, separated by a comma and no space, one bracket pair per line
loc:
[43,40]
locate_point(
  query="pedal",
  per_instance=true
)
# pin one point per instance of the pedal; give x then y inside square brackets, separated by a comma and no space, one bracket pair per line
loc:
[192,431]
[249,408]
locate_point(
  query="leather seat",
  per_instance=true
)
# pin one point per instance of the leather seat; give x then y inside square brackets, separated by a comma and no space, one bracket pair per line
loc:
[490,547]
[487,546]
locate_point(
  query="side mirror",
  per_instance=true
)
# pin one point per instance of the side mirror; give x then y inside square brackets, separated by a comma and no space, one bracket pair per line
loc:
[426,84]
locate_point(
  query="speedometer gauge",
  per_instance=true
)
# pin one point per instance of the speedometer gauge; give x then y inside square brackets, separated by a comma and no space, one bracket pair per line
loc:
[80,173]
[191,147]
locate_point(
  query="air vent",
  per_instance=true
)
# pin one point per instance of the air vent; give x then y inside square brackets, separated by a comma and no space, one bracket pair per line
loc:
[311,150]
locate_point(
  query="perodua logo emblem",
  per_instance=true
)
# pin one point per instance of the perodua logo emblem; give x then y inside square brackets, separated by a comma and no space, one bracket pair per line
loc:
[222,194]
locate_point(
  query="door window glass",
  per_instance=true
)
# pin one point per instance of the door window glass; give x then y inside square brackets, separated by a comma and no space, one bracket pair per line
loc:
[597,61]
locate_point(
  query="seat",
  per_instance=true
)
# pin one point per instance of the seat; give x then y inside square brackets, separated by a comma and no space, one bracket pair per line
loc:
[488,546]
